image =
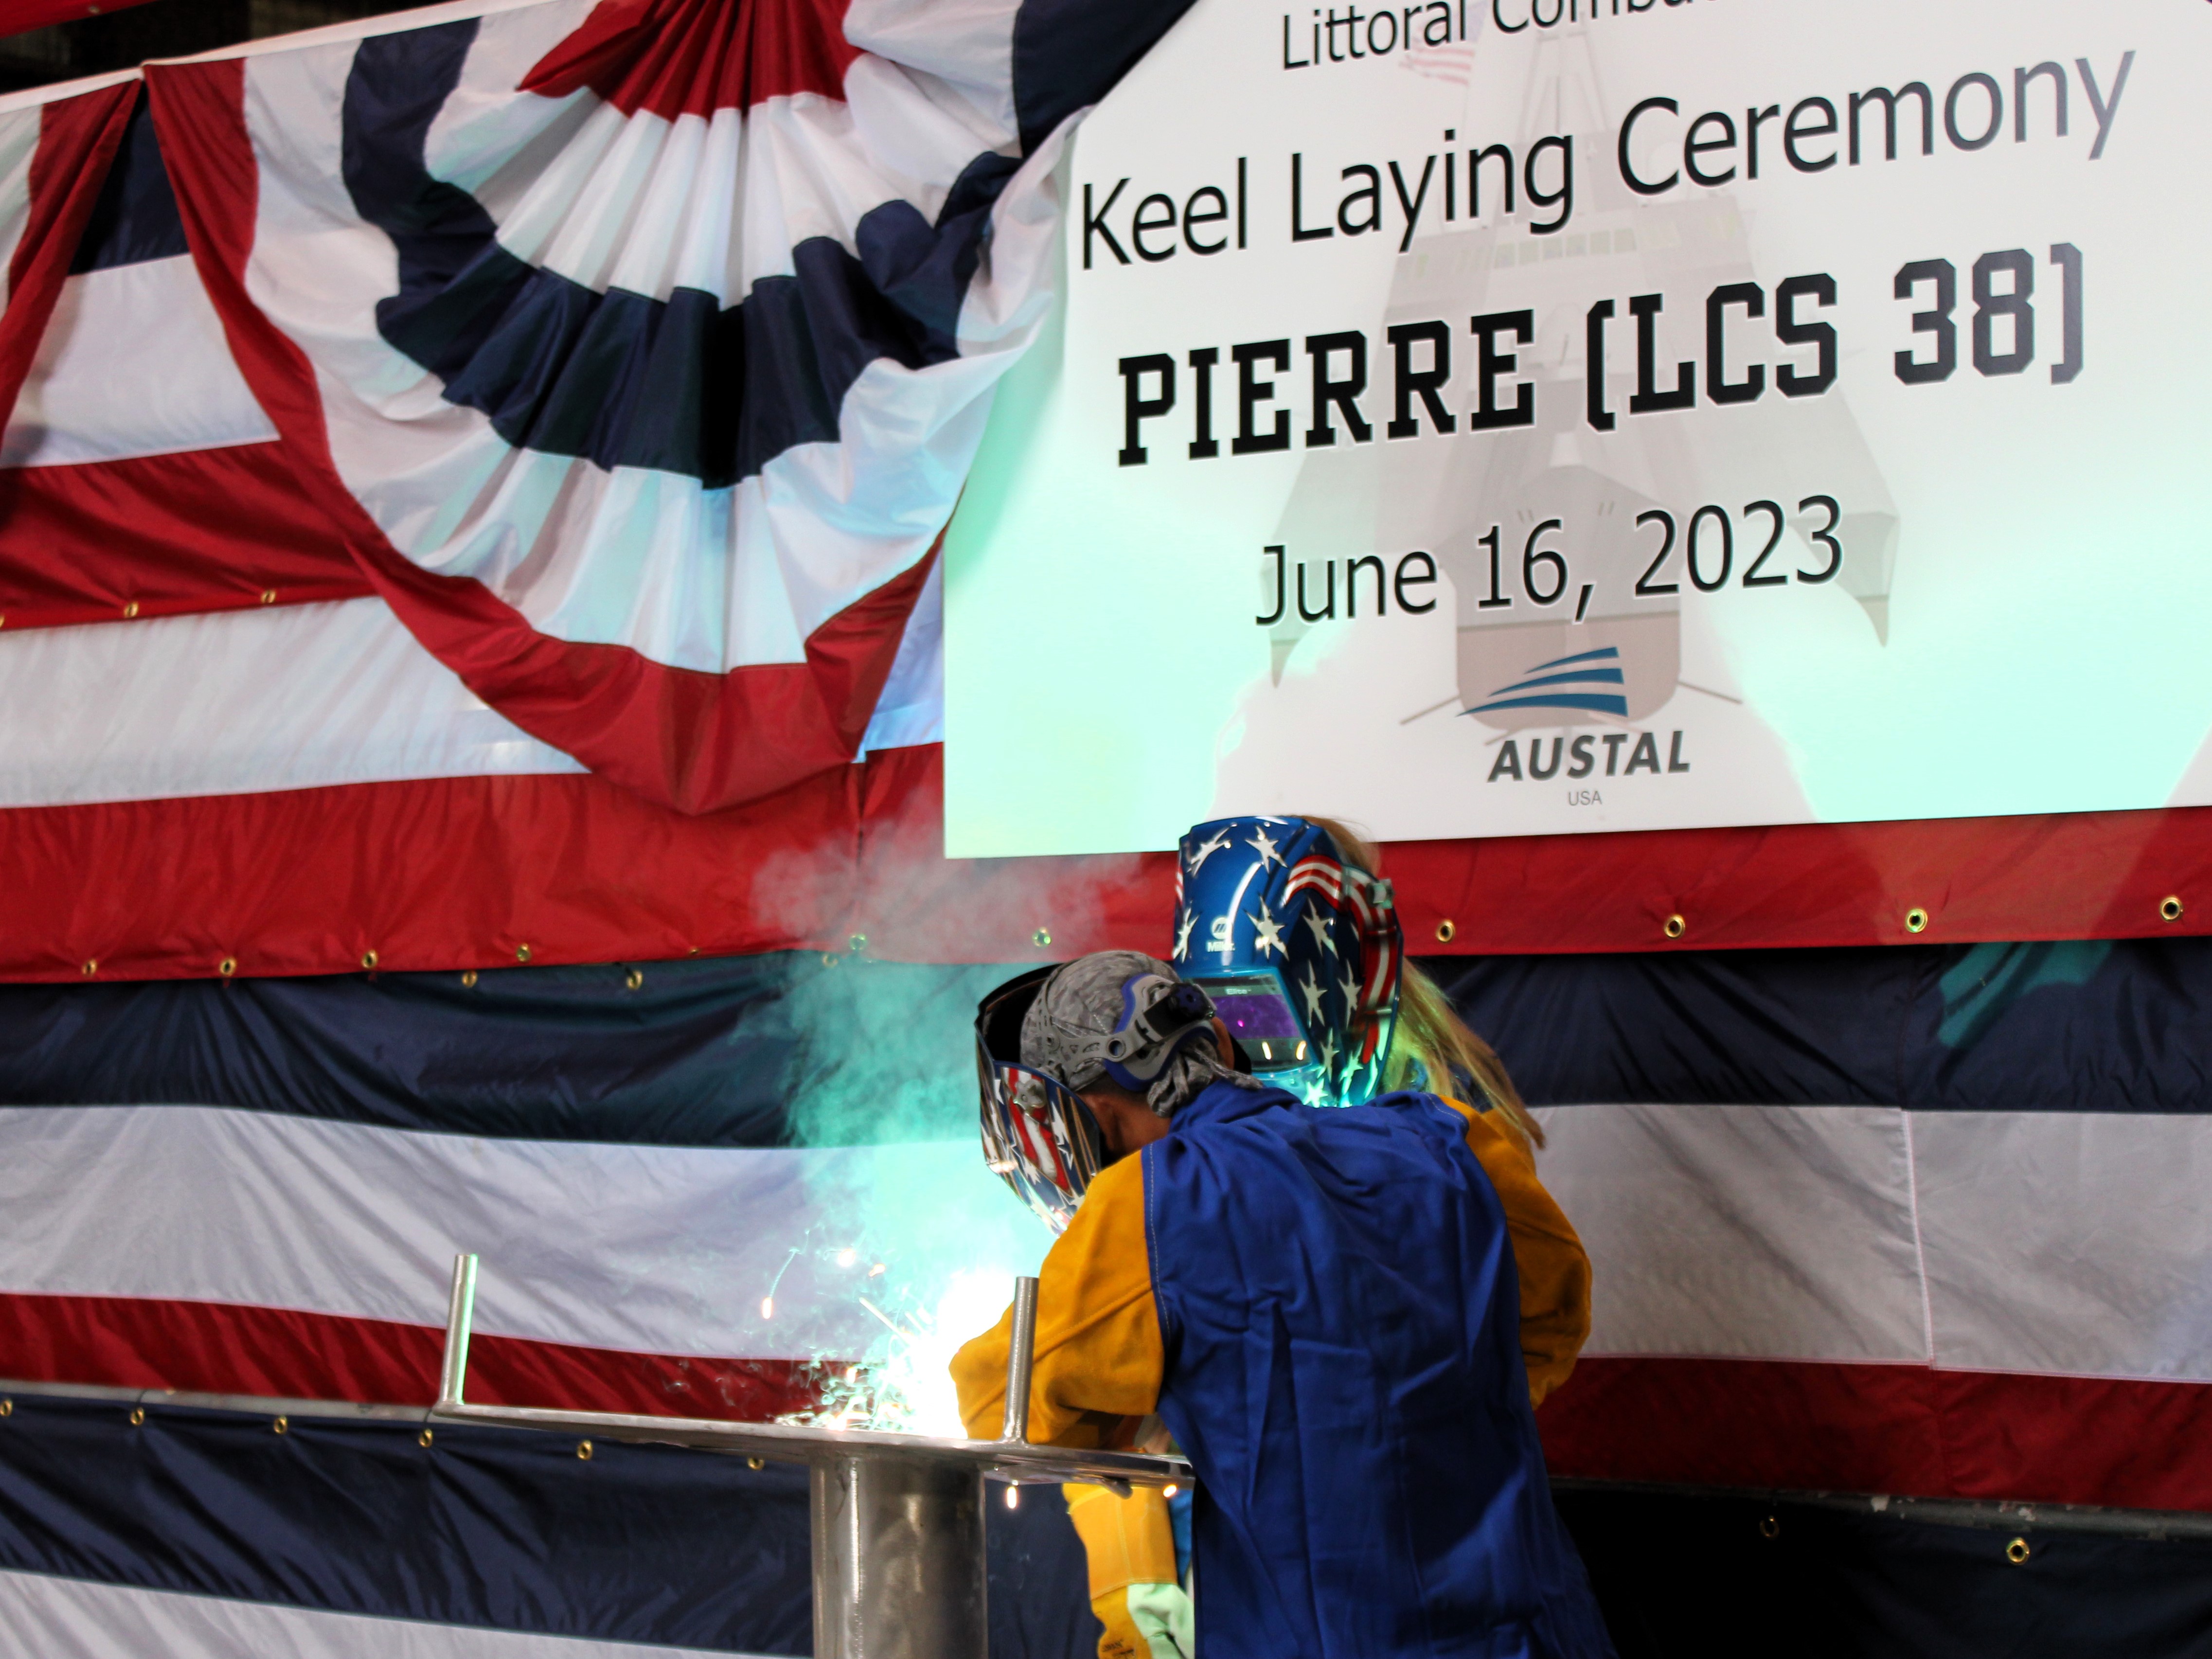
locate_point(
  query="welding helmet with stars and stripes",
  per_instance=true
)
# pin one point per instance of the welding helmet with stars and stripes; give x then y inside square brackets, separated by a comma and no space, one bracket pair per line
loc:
[1039,1134]
[1299,948]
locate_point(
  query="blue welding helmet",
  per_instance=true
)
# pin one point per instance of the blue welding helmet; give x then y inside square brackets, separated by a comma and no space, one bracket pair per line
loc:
[1299,950]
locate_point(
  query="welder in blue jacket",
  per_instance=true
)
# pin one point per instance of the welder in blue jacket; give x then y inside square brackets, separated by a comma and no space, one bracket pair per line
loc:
[1322,1305]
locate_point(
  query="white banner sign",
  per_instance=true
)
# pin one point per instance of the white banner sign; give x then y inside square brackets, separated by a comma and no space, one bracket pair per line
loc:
[1514,416]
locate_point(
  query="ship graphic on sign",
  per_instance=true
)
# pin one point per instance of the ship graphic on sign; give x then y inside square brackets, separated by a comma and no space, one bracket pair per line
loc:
[1474,501]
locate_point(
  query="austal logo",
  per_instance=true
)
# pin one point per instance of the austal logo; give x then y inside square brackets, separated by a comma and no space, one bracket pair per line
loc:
[1579,755]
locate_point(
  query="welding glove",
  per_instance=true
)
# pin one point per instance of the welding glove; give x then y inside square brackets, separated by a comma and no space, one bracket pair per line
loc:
[1161,1614]
[1133,1590]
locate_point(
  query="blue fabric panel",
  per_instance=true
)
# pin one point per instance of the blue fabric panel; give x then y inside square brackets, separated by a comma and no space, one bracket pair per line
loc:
[1068,53]
[134,217]
[1341,1329]
[2097,1025]
[763,1050]
[741,1051]
[684,386]
[485,1526]
[1040,1583]
[777,1050]
[1692,1577]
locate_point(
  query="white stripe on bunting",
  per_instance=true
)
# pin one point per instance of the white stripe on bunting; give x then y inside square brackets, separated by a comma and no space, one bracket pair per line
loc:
[734,1253]
[1864,1234]
[241,701]
[1777,1233]
[44,1618]
[133,362]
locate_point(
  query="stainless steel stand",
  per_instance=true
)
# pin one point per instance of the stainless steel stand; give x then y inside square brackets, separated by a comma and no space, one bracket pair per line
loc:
[898,1518]
[898,1559]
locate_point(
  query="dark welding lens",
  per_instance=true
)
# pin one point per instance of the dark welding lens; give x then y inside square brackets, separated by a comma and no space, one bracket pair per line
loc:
[1260,1017]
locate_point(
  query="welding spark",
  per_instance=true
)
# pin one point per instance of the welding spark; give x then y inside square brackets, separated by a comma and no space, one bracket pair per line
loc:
[897,1328]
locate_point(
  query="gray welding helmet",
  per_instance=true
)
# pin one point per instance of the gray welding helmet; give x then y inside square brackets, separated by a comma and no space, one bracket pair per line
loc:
[1039,1137]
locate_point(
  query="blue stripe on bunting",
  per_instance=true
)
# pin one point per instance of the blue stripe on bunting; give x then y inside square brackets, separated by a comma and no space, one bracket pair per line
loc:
[1068,53]
[485,1526]
[683,386]
[2101,1025]
[501,1529]
[743,1051]
[779,1049]
[134,217]
[1752,1577]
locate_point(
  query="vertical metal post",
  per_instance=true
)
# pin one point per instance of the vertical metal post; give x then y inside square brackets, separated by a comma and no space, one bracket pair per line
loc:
[459,1311]
[1021,1360]
[898,1558]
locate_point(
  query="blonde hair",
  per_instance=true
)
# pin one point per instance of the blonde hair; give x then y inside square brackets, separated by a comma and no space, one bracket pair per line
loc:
[1431,1045]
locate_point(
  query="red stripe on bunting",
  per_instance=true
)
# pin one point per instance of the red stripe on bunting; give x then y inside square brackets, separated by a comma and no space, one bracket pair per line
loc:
[1906,1430]
[218,1347]
[463,873]
[1760,1425]
[204,530]
[17,16]
[2051,875]
[697,742]
[440,872]
[671,57]
[460,872]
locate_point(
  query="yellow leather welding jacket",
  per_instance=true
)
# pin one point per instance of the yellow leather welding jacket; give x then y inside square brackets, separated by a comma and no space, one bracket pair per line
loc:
[1098,1355]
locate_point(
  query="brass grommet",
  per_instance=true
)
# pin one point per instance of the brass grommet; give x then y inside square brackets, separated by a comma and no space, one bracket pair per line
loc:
[267,596]
[634,979]
[2017,1550]
[756,1462]
[423,1439]
[227,966]
[282,1425]
[130,611]
[468,978]
[7,1408]
[829,958]
[1042,937]
[858,943]
[584,1450]
[4,619]
[1675,926]
[2169,908]
[1915,921]
[137,1416]
[1445,929]
[522,953]
[90,968]
[1770,1527]
[368,960]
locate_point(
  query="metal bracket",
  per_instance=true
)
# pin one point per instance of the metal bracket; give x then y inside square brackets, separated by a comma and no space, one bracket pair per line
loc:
[461,1310]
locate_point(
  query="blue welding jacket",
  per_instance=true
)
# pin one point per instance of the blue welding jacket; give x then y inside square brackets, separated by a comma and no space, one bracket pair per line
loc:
[1338,1308]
